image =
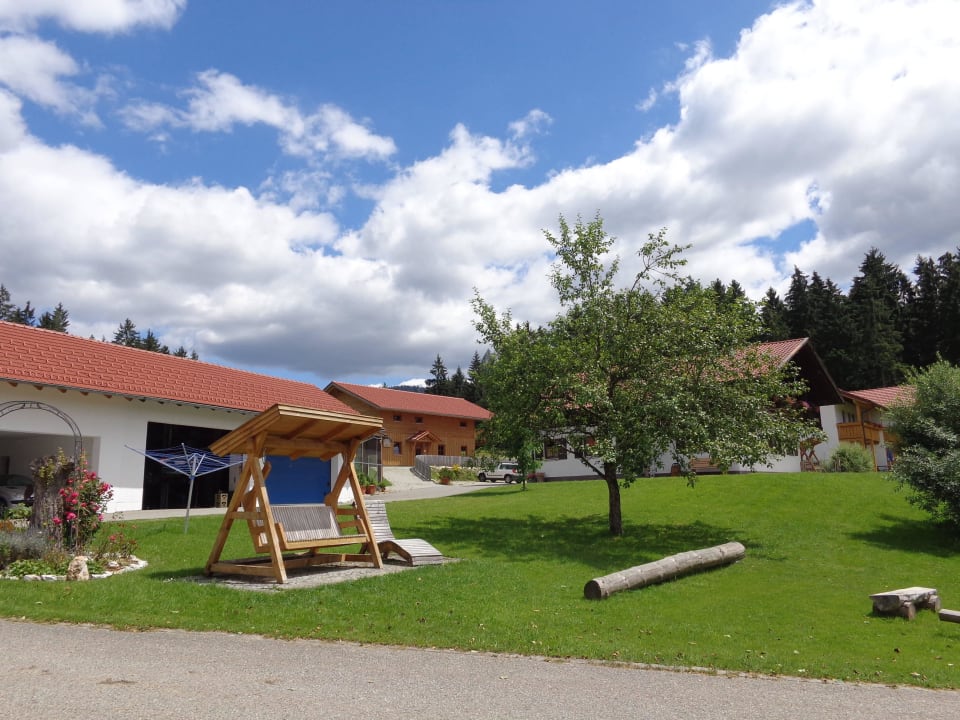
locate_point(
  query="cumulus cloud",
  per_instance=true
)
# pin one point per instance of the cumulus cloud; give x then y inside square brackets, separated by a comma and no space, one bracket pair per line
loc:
[836,115]
[90,15]
[219,101]
[35,70]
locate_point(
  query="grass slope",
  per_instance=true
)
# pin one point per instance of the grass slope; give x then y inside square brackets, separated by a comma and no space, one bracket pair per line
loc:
[817,546]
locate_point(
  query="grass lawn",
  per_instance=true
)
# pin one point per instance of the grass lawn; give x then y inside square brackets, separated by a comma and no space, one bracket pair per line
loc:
[817,546]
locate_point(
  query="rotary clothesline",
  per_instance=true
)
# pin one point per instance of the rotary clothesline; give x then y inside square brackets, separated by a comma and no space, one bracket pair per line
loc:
[190,462]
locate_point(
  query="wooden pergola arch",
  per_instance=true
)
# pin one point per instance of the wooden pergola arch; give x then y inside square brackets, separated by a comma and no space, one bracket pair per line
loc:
[296,536]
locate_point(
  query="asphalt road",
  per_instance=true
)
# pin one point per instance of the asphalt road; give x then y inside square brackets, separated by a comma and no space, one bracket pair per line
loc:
[82,672]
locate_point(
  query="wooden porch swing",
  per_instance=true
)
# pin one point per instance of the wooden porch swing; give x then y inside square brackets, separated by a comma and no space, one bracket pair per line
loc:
[296,536]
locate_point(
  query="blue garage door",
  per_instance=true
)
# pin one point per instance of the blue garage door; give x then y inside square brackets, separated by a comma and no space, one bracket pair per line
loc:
[306,480]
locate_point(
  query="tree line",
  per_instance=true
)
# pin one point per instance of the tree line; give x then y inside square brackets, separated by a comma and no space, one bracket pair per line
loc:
[886,324]
[871,336]
[58,320]
[463,385]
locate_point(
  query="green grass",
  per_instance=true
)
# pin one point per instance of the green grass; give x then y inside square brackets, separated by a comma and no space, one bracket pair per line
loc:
[817,546]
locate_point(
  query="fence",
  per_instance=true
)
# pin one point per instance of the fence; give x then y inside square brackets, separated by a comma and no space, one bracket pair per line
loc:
[423,463]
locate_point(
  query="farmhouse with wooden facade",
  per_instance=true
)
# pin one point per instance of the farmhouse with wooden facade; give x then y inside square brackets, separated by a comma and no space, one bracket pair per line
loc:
[415,423]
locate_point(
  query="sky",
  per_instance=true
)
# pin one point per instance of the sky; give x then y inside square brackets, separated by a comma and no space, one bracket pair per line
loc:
[316,190]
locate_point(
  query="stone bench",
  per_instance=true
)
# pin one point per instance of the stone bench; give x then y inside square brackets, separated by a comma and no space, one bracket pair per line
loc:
[906,601]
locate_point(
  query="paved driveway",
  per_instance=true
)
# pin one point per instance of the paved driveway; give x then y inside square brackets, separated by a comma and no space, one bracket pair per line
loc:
[82,672]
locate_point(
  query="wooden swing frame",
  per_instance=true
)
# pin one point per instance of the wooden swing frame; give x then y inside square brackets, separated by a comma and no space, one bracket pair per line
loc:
[296,432]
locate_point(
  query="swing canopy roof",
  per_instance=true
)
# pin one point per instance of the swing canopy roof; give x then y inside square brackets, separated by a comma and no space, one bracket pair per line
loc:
[298,432]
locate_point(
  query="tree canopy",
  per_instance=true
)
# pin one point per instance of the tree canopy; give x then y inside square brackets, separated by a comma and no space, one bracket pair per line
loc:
[623,375]
[927,424]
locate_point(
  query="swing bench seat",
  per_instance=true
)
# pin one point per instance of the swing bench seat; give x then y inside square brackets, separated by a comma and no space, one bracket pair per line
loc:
[314,526]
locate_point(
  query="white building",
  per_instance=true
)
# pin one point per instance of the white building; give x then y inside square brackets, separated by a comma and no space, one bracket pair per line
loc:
[58,391]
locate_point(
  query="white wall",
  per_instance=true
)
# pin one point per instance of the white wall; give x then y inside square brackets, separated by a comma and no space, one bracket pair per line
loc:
[107,424]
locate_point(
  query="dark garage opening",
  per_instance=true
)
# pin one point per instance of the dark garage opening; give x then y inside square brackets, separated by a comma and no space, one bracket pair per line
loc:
[164,488]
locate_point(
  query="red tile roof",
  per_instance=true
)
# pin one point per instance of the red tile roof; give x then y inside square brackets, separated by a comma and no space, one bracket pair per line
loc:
[783,350]
[881,397]
[43,357]
[413,402]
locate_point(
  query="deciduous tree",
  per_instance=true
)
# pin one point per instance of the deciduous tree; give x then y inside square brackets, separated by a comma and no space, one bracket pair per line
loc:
[927,424]
[623,375]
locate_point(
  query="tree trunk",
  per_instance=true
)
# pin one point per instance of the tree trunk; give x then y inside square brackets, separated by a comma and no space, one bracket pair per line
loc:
[665,569]
[613,490]
[50,475]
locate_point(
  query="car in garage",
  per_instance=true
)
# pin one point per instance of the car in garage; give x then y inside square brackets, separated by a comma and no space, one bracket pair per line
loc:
[14,490]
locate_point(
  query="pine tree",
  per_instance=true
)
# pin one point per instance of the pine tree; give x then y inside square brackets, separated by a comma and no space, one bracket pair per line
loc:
[151,343]
[773,317]
[922,336]
[948,266]
[458,383]
[58,320]
[876,302]
[440,383]
[831,330]
[472,391]
[127,334]
[6,307]
[25,315]
[798,316]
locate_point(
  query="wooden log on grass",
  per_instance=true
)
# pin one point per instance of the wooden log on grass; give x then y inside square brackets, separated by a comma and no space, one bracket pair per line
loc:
[950,616]
[665,569]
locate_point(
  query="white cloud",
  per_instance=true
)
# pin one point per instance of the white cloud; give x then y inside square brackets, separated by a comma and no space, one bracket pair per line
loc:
[90,15]
[649,101]
[35,70]
[219,101]
[531,124]
[842,114]
[12,128]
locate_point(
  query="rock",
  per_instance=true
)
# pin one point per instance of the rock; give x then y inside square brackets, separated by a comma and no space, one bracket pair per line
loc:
[77,570]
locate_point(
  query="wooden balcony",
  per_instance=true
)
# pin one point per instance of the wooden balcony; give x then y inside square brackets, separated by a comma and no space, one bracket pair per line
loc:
[866,434]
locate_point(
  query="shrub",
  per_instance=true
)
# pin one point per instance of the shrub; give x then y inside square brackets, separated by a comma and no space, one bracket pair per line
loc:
[18,545]
[114,545]
[928,427]
[850,457]
[84,500]
[70,500]
[18,512]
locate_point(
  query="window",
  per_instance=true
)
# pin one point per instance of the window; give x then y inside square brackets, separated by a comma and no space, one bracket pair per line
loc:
[396,449]
[463,423]
[463,449]
[553,450]
[397,418]
[418,420]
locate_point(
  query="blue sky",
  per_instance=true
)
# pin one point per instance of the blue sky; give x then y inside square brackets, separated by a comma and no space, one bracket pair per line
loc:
[313,189]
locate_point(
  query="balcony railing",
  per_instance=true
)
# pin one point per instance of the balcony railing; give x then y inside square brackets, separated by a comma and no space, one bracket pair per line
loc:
[868,433]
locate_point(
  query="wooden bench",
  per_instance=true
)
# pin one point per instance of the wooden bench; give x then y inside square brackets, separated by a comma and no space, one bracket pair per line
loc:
[906,601]
[704,466]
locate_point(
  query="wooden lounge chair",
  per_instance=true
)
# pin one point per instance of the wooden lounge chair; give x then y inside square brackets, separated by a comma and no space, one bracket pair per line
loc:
[415,552]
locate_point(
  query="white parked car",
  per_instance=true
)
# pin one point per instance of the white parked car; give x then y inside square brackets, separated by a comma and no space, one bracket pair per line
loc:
[507,471]
[12,489]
